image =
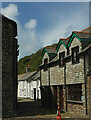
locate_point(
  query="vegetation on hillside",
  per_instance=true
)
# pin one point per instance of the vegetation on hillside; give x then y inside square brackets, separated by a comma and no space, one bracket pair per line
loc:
[33,60]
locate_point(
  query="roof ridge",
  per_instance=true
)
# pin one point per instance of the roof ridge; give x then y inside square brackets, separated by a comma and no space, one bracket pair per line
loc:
[22,74]
[28,72]
[50,47]
[82,32]
[64,38]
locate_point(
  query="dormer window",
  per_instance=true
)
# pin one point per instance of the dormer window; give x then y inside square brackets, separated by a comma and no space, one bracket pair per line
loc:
[61,58]
[68,52]
[75,57]
[45,64]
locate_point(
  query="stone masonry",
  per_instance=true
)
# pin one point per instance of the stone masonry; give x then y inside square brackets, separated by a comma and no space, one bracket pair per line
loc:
[9,67]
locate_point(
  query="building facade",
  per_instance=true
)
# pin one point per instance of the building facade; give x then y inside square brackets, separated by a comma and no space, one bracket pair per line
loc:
[29,85]
[64,78]
[8,67]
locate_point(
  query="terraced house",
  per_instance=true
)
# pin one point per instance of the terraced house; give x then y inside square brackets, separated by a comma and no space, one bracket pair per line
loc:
[66,73]
[29,84]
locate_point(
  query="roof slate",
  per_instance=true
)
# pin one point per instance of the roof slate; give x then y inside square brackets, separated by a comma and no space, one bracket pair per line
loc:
[51,50]
[25,76]
[35,76]
[87,30]
[83,35]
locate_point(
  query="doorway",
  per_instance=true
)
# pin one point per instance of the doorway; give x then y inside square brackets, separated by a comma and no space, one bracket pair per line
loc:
[61,98]
[34,93]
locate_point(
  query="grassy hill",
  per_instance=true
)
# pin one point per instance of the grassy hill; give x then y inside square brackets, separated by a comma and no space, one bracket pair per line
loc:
[33,60]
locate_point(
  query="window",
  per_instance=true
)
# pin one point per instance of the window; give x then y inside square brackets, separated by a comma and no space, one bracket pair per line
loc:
[38,94]
[68,52]
[74,92]
[75,57]
[45,64]
[61,58]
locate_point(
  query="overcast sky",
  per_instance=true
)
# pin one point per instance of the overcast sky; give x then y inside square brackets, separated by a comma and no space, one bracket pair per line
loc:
[43,23]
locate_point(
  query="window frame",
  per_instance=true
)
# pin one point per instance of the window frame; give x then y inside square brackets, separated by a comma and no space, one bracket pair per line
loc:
[74,92]
[68,51]
[45,64]
[75,56]
[61,59]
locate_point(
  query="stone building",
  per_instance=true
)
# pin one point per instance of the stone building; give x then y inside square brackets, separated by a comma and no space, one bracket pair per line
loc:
[65,79]
[29,85]
[8,67]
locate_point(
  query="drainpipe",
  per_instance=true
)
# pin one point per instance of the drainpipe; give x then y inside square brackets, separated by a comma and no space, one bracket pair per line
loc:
[49,76]
[85,83]
[49,91]
[41,88]
[65,86]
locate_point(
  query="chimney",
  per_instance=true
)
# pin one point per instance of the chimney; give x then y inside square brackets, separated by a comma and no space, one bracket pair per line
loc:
[28,68]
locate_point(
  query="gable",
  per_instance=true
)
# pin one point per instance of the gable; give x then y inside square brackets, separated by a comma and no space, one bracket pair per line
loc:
[49,52]
[80,36]
[61,48]
[71,39]
[59,44]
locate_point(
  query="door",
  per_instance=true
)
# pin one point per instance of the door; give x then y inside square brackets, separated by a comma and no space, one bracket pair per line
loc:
[34,93]
[61,98]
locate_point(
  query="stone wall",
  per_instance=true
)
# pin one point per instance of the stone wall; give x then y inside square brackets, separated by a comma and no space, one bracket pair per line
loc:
[9,69]
[75,107]
[57,75]
[75,72]
[75,42]
[0,66]
[45,56]
[89,95]
[44,78]
[62,49]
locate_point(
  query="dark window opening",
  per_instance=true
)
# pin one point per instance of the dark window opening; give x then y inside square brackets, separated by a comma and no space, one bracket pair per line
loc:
[68,52]
[74,92]
[61,58]
[45,64]
[75,57]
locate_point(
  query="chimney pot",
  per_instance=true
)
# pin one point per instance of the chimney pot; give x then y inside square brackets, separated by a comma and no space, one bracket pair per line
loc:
[28,68]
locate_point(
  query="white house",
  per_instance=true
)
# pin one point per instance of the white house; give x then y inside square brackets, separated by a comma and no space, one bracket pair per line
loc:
[29,85]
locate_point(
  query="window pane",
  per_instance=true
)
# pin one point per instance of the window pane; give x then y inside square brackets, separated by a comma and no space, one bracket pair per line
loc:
[74,92]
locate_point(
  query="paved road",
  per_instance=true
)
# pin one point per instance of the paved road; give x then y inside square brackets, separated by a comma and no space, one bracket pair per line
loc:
[31,110]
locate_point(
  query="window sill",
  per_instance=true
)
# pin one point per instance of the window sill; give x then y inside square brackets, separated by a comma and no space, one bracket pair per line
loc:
[73,101]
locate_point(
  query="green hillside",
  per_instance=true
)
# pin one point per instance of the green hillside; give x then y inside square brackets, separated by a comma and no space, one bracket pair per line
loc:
[33,60]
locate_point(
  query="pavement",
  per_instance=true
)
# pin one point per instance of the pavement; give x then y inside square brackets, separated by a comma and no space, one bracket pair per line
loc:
[28,109]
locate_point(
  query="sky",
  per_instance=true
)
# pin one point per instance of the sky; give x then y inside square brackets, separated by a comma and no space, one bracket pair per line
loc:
[40,24]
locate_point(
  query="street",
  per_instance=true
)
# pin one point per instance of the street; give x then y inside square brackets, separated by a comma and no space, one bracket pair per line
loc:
[30,109]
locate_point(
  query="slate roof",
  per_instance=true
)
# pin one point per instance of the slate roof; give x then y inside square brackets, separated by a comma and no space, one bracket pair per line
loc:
[83,35]
[25,76]
[54,59]
[88,29]
[65,41]
[51,49]
[36,76]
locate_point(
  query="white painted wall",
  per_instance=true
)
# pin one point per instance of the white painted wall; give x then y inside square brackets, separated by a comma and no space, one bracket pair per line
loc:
[26,89]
